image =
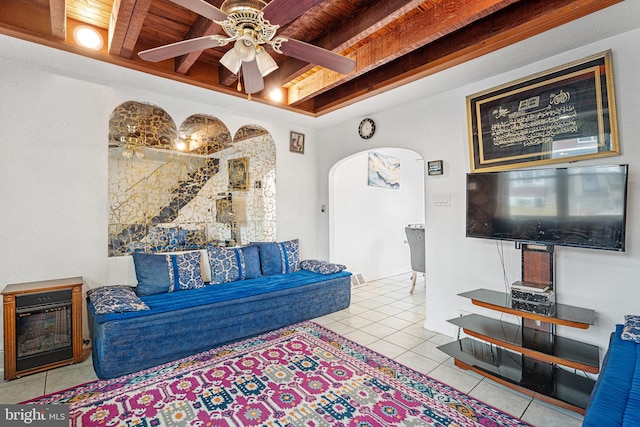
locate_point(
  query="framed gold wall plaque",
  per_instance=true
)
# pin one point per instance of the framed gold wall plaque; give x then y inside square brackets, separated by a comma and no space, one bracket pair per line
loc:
[561,115]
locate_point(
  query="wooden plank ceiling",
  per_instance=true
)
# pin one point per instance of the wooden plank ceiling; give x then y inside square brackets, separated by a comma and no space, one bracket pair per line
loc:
[393,41]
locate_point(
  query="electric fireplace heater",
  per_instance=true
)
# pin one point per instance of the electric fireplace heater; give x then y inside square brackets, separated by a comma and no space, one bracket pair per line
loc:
[42,326]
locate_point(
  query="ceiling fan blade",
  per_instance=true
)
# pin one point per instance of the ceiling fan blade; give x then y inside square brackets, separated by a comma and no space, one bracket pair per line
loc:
[282,12]
[179,48]
[253,81]
[202,8]
[318,56]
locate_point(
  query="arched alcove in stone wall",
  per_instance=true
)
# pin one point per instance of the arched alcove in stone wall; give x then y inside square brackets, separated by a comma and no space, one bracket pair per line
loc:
[183,188]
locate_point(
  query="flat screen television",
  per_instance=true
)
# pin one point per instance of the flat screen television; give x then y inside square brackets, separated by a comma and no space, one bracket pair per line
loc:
[577,206]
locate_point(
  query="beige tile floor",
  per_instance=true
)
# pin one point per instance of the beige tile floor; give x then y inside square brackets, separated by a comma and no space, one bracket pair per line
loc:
[382,316]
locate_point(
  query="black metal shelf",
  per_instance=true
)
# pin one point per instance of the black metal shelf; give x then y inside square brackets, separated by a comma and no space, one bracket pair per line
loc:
[564,351]
[531,376]
[563,314]
[528,357]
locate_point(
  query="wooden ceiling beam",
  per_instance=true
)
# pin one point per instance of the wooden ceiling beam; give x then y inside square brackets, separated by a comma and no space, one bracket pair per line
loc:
[418,29]
[279,12]
[504,28]
[370,19]
[127,18]
[58,13]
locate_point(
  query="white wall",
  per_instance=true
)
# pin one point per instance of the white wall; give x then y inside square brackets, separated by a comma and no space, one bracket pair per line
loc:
[367,233]
[436,128]
[53,170]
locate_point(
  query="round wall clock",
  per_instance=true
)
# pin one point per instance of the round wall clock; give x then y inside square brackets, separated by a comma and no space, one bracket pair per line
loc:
[367,128]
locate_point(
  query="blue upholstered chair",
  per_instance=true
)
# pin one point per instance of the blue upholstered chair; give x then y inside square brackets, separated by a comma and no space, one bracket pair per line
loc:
[415,238]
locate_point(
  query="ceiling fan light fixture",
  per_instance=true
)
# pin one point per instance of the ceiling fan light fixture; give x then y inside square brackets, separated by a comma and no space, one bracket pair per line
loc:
[239,6]
[245,48]
[231,61]
[266,64]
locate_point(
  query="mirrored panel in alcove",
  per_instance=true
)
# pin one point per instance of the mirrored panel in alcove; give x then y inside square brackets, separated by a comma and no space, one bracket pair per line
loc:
[178,189]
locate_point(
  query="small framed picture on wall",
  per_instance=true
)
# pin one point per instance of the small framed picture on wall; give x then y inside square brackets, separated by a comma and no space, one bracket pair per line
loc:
[434,167]
[296,142]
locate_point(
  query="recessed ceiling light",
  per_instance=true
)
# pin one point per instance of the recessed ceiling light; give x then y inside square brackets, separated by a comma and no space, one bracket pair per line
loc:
[88,37]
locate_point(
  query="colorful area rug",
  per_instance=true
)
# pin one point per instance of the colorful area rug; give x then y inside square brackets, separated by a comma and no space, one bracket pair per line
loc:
[303,375]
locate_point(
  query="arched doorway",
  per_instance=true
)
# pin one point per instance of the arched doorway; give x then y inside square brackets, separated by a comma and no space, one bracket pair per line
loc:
[366,223]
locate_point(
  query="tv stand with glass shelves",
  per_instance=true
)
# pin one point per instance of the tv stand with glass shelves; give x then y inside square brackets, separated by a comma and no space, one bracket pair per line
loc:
[529,357]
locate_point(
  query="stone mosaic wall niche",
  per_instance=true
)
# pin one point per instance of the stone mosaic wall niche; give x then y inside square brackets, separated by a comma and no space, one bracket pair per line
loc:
[165,184]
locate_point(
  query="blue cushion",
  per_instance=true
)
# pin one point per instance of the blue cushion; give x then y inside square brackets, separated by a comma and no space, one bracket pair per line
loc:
[115,299]
[161,273]
[252,262]
[184,271]
[291,252]
[321,267]
[233,264]
[225,265]
[631,330]
[270,259]
[279,258]
[152,273]
[614,399]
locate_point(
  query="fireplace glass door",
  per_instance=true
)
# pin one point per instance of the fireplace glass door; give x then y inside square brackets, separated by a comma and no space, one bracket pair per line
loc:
[43,328]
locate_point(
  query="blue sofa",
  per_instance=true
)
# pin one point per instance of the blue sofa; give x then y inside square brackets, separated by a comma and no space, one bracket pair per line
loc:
[615,399]
[175,324]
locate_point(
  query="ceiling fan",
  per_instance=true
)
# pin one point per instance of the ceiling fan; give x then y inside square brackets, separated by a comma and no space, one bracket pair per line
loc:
[246,23]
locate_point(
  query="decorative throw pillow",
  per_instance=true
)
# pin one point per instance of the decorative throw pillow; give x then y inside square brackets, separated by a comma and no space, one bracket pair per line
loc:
[251,257]
[152,274]
[270,259]
[279,258]
[321,267]
[233,264]
[225,265]
[631,330]
[184,271]
[115,299]
[161,273]
[291,252]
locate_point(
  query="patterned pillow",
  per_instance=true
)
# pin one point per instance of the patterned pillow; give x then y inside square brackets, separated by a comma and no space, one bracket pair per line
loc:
[291,252]
[161,273]
[233,264]
[279,258]
[225,265]
[184,271]
[115,299]
[321,267]
[631,330]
